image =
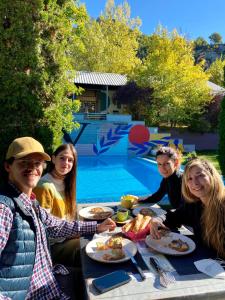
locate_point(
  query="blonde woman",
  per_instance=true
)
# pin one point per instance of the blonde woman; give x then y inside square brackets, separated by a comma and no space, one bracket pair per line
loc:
[204,210]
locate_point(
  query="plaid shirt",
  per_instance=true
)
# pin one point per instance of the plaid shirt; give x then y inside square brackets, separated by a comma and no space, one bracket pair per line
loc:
[43,284]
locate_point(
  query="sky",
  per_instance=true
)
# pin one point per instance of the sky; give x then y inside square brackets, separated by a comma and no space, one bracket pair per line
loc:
[192,18]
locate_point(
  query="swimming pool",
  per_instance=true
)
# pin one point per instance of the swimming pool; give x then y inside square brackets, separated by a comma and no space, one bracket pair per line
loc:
[103,179]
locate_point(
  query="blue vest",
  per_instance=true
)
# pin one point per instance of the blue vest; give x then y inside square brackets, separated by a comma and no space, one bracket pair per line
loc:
[18,257]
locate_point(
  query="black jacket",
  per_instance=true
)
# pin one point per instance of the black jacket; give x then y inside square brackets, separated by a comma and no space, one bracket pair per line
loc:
[188,214]
[170,186]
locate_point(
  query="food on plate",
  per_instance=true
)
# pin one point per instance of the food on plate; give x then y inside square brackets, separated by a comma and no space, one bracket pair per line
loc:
[137,224]
[115,242]
[95,210]
[178,245]
[115,254]
[102,215]
[147,212]
[101,246]
[164,232]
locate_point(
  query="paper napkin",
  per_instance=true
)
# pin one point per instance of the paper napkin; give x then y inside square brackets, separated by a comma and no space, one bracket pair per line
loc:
[211,268]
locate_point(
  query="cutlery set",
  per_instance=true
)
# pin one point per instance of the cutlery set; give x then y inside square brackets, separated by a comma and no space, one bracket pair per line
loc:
[165,277]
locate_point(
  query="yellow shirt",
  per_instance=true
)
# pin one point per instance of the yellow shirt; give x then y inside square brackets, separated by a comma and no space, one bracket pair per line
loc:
[51,196]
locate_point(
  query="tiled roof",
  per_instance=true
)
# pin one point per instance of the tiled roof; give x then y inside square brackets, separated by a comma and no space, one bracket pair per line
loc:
[97,78]
[113,79]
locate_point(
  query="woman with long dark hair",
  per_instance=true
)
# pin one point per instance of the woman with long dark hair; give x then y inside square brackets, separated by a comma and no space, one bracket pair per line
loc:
[56,192]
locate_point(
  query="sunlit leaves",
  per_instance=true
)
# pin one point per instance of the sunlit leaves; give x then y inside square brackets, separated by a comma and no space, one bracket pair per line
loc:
[180,87]
[216,71]
[110,42]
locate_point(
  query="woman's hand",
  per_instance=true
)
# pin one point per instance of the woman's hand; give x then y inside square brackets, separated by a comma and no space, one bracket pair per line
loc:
[155,225]
[108,224]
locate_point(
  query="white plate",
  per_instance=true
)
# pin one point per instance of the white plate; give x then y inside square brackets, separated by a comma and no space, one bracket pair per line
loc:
[122,222]
[161,245]
[87,214]
[92,252]
[156,210]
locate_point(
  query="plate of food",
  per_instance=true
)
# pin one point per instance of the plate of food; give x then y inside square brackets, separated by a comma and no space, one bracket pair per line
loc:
[96,212]
[122,222]
[148,211]
[114,249]
[172,244]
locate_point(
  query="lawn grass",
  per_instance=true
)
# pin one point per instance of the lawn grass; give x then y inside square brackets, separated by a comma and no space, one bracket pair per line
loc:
[211,155]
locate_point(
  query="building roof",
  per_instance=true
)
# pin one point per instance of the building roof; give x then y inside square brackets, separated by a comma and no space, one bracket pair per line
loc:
[216,89]
[113,79]
[97,78]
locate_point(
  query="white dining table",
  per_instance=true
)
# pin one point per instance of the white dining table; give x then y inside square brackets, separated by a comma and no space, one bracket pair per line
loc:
[192,286]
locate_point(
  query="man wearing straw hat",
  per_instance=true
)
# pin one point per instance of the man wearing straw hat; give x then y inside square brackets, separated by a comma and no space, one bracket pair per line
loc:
[25,262]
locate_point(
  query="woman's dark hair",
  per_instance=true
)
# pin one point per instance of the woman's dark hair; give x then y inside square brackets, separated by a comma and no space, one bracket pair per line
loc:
[170,152]
[70,179]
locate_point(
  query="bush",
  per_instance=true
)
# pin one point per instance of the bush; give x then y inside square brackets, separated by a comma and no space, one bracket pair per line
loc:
[200,125]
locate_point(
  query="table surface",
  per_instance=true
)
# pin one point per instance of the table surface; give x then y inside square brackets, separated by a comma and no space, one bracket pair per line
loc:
[193,286]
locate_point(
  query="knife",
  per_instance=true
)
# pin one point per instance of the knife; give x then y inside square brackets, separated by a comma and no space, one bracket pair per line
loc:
[143,277]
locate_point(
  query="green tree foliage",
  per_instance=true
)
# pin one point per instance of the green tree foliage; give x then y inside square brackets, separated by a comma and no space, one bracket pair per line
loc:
[222,137]
[200,42]
[215,38]
[143,47]
[110,42]
[180,87]
[136,99]
[35,41]
[216,71]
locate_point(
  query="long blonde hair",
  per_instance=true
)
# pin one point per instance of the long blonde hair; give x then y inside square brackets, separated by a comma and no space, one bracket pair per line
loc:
[213,217]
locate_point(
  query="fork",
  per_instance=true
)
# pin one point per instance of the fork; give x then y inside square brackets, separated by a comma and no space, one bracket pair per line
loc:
[165,277]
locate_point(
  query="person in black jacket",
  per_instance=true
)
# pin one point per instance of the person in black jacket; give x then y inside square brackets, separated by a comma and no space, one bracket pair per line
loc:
[204,207]
[168,161]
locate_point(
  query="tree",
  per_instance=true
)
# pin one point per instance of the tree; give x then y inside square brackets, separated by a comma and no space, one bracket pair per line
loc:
[200,42]
[180,87]
[143,47]
[215,38]
[35,66]
[222,137]
[135,98]
[216,71]
[110,42]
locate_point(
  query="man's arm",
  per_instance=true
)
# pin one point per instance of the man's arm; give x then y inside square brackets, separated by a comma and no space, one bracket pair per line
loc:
[6,218]
[57,227]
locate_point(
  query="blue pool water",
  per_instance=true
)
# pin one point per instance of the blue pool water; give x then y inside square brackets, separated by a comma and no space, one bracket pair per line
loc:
[102,179]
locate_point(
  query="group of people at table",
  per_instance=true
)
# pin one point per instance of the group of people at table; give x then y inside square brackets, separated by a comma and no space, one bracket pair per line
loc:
[37,211]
